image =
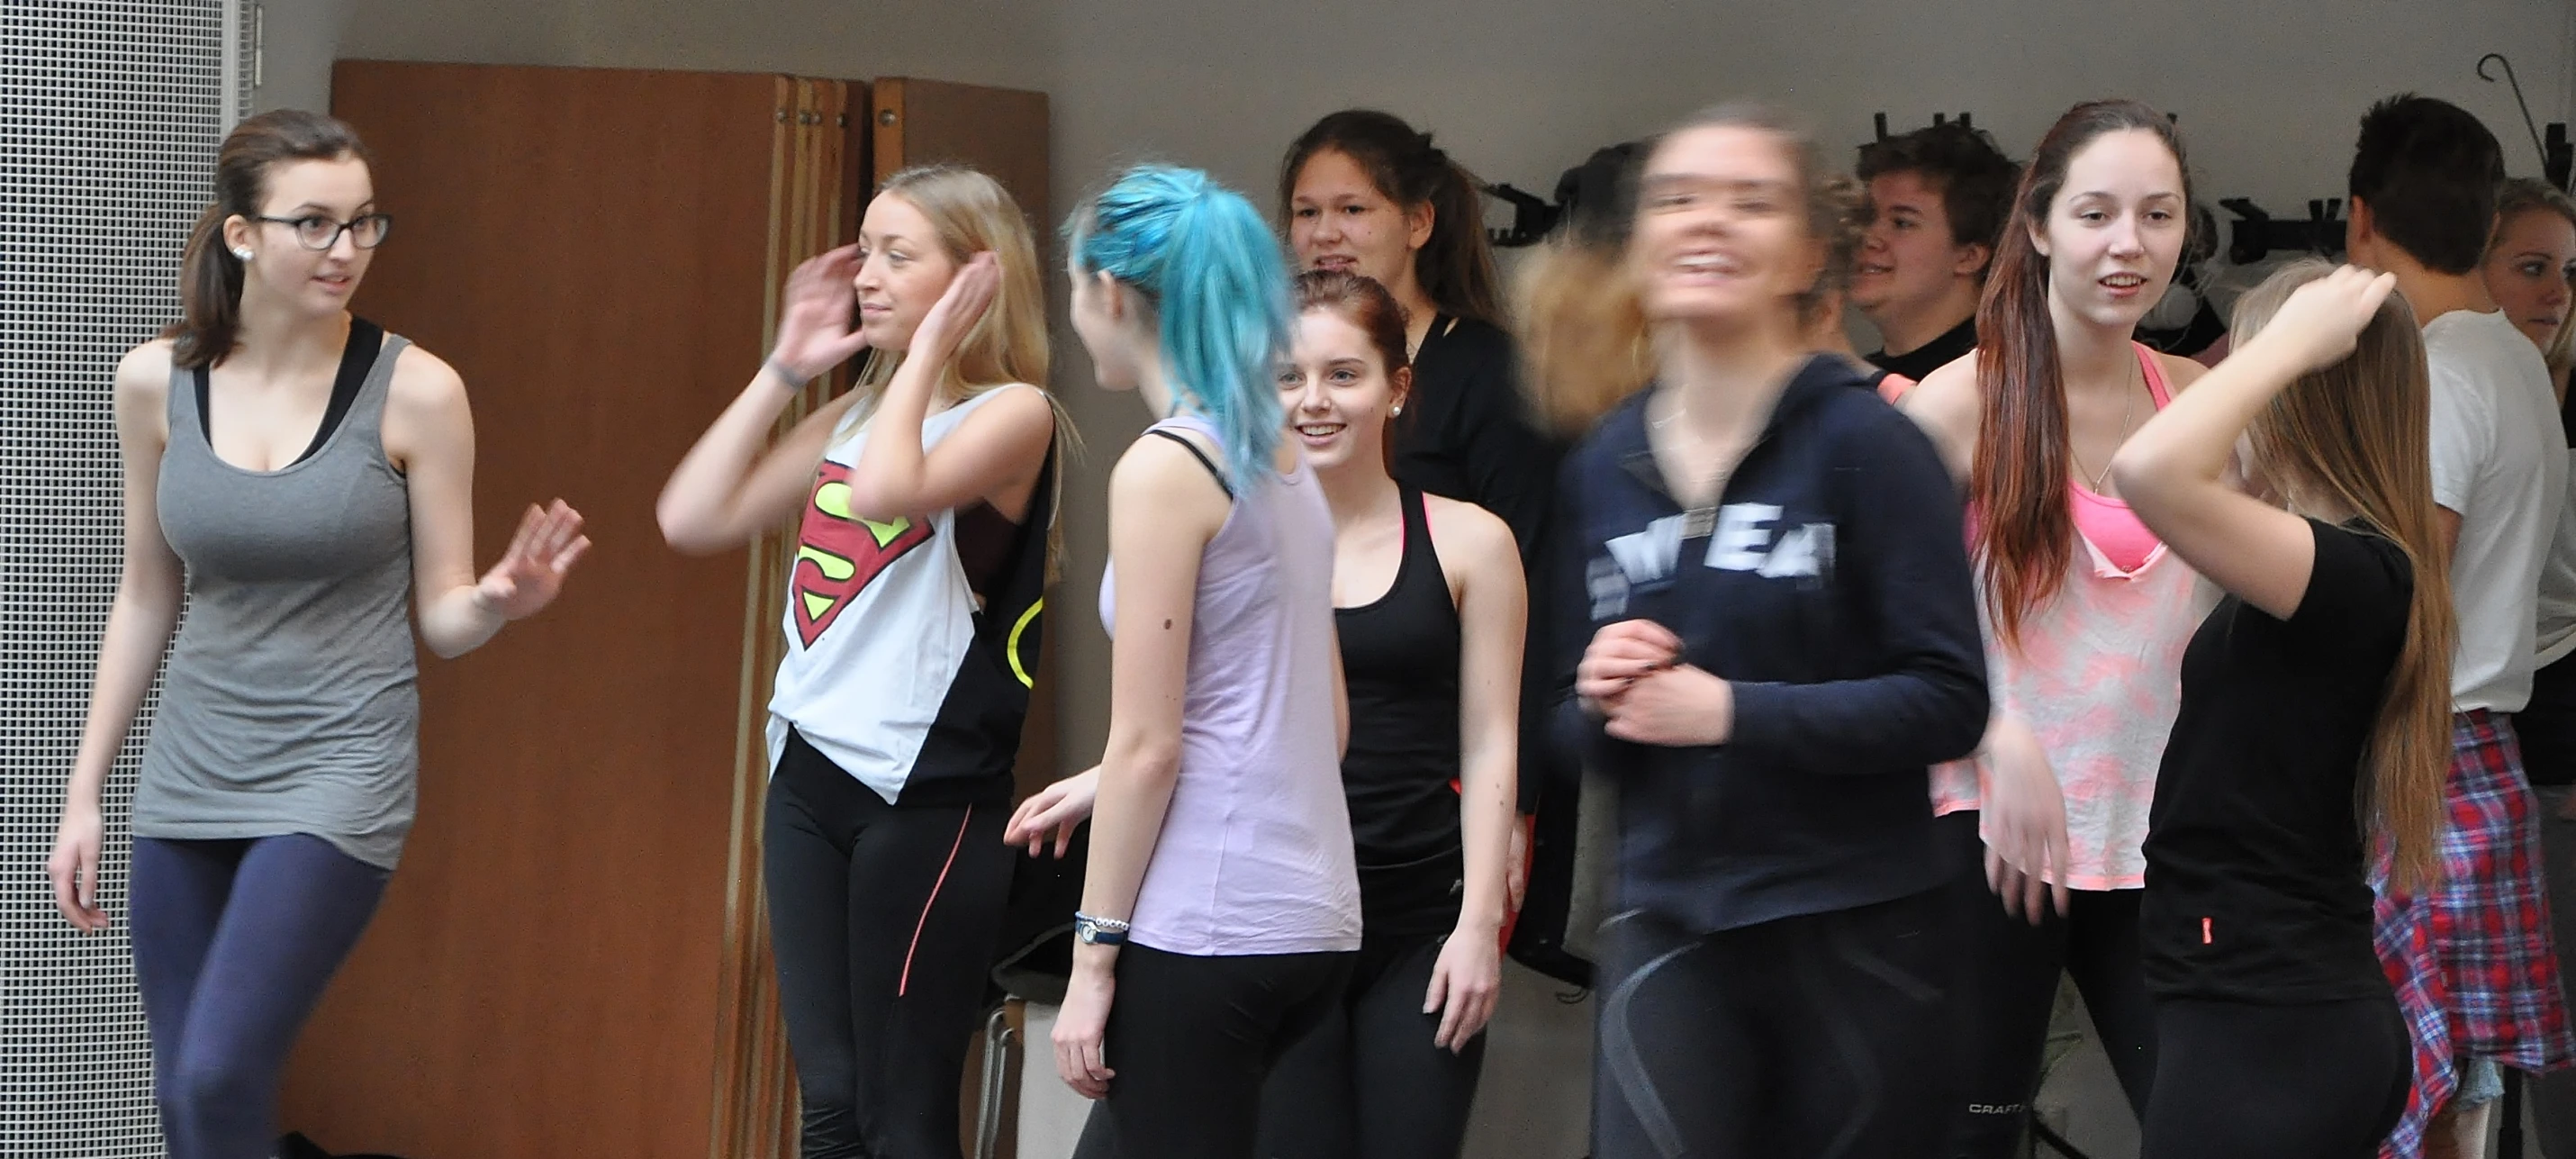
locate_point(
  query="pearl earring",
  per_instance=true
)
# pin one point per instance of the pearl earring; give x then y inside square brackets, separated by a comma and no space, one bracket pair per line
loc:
[242,254]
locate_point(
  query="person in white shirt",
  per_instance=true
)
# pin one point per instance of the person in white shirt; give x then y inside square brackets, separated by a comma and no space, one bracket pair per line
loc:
[2528,268]
[2423,184]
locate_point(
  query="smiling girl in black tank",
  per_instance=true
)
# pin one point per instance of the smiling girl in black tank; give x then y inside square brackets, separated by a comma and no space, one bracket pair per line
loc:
[1429,603]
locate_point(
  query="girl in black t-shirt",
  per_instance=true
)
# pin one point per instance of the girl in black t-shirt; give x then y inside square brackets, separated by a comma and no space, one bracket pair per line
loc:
[1364,193]
[2314,727]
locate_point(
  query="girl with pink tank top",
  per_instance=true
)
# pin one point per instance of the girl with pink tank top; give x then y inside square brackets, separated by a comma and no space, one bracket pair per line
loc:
[2086,613]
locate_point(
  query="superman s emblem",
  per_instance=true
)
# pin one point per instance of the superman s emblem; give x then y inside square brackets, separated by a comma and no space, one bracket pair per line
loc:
[838,554]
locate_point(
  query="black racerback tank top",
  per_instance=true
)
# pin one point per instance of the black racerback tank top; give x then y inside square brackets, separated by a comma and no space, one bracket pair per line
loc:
[1400,666]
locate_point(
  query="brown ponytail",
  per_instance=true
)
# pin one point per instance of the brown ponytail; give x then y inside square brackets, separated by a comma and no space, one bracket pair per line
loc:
[2024,533]
[1455,267]
[210,277]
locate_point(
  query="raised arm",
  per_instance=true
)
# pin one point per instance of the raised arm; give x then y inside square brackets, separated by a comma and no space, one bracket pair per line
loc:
[1163,510]
[139,624]
[732,485]
[995,455]
[2173,471]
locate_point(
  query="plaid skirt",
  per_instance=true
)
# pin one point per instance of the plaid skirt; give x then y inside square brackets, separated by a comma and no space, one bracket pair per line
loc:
[2471,958]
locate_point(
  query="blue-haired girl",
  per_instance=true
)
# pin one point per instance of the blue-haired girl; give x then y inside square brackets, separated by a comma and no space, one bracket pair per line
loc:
[1221,912]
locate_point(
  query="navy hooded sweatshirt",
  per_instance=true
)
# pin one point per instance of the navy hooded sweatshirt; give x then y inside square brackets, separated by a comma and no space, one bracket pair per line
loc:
[1830,587]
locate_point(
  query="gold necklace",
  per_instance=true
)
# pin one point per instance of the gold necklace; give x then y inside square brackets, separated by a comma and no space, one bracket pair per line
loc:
[2128,410]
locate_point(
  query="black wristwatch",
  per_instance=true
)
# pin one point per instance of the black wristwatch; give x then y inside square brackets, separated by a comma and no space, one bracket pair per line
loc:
[1092,931]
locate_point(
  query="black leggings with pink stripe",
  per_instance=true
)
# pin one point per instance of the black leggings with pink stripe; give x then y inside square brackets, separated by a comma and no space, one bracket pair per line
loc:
[883,920]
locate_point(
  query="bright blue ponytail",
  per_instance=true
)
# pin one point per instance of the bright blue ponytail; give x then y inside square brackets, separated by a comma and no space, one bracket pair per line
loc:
[1211,268]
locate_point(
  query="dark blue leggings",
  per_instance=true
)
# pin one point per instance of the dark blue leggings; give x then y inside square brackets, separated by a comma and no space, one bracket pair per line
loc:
[233,943]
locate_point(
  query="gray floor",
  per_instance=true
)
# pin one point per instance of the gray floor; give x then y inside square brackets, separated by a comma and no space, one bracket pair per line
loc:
[1535,1099]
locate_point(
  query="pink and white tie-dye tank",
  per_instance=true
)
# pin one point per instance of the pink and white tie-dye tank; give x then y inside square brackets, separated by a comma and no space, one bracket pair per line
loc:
[2098,679]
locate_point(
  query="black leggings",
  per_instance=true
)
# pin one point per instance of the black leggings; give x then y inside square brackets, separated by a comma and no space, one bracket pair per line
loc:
[1367,1082]
[233,943]
[1822,1035]
[2239,1081]
[1191,1039]
[883,921]
[2005,988]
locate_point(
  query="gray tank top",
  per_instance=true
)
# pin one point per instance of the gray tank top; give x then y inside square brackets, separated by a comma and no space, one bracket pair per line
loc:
[289,704]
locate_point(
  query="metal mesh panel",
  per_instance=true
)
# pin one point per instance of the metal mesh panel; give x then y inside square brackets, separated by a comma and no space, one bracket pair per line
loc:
[110,111]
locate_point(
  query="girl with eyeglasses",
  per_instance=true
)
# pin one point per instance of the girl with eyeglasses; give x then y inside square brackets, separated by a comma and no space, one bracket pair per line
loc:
[303,482]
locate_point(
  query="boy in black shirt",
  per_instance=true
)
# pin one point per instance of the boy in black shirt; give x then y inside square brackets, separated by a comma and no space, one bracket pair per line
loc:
[1938,197]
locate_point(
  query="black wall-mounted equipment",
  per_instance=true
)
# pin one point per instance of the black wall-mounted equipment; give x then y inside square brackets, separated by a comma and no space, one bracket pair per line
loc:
[2557,156]
[2257,233]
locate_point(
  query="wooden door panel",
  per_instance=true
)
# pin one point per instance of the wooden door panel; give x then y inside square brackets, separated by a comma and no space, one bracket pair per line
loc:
[1000,131]
[587,248]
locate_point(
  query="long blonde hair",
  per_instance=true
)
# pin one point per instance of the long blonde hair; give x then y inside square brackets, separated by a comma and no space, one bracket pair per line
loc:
[973,214]
[2360,432]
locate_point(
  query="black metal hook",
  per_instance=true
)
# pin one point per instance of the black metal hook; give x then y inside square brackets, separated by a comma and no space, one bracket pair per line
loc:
[1532,218]
[2515,83]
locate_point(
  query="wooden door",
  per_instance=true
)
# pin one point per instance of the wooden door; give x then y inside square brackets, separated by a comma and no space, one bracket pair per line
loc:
[561,965]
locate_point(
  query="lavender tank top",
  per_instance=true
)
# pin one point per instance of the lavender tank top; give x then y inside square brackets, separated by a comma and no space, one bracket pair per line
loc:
[1255,852]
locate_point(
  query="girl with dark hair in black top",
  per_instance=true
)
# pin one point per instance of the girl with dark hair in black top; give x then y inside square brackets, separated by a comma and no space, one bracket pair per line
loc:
[1364,193]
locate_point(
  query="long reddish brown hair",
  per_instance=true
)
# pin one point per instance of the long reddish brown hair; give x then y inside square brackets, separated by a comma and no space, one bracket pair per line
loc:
[2024,533]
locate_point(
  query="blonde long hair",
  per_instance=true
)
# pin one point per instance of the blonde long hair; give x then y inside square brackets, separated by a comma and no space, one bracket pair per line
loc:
[973,214]
[2360,431]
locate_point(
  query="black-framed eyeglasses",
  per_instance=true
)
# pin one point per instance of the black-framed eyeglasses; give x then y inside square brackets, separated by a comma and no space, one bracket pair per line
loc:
[316,232]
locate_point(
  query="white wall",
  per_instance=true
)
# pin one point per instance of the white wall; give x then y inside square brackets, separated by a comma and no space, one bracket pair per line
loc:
[2269,96]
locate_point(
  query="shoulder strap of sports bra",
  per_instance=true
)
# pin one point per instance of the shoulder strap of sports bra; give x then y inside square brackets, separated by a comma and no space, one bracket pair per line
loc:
[2154,370]
[357,357]
[1201,456]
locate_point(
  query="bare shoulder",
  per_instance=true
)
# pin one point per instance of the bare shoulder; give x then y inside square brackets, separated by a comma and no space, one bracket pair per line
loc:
[2179,372]
[1946,393]
[425,408]
[143,375]
[1155,469]
[1464,534]
[1948,406]
[424,382]
[1160,493]
[1018,408]
[140,399]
